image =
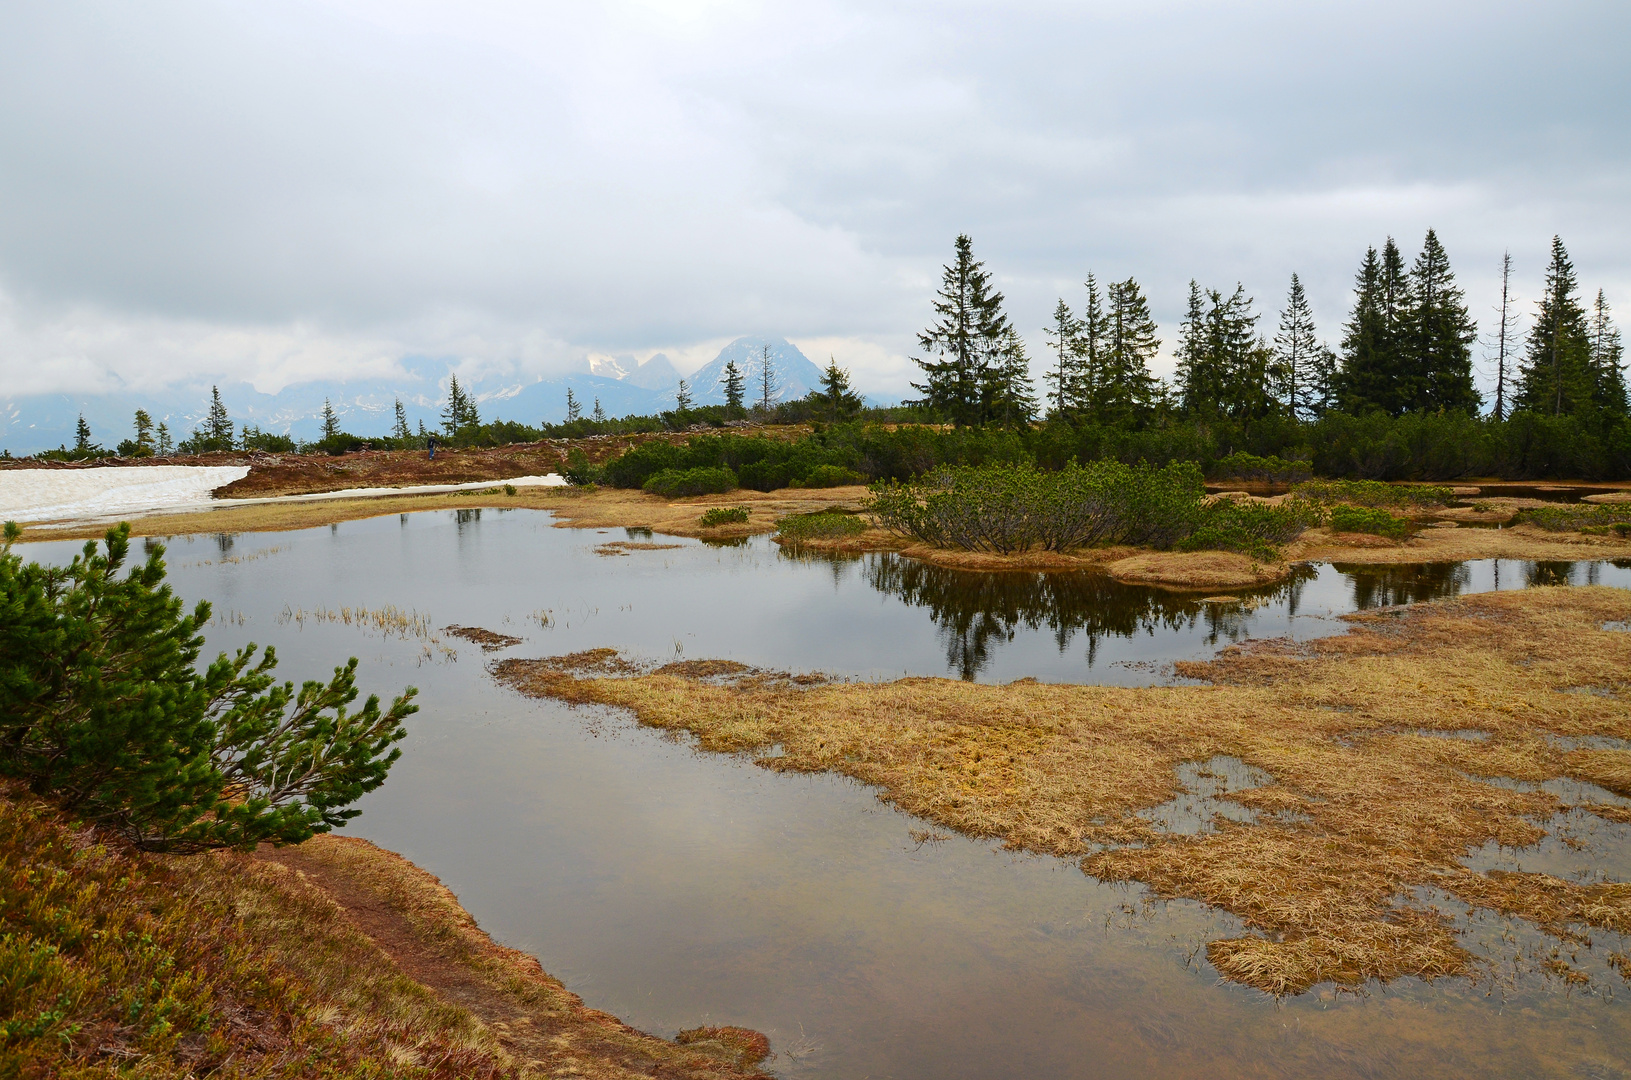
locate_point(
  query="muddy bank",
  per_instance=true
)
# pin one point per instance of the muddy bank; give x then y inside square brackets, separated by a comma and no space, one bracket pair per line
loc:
[1357,772]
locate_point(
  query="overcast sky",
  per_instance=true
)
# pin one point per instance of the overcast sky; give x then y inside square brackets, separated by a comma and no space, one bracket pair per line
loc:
[286,191]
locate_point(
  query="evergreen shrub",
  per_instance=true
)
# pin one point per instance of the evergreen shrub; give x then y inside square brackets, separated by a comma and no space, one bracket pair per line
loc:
[677,483]
[1366,519]
[826,476]
[1372,493]
[827,524]
[103,711]
[724,515]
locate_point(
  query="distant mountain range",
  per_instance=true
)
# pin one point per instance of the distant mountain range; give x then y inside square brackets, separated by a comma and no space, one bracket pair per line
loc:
[622,385]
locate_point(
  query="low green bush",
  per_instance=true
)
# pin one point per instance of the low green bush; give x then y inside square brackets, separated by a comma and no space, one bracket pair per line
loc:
[826,476]
[1368,519]
[1270,469]
[1010,508]
[1372,493]
[1578,517]
[676,483]
[827,524]
[1251,528]
[724,515]
[764,475]
[579,471]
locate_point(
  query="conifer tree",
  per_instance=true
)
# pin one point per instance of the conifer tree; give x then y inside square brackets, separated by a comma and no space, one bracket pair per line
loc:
[840,401]
[1555,376]
[461,409]
[144,430]
[1200,383]
[573,410]
[1242,360]
[401,430]
[1128,392]
[331,423]
[767,378]
[1322,381]
[599,415]
[219,425]
[682,397]
[1065,341]
[82,436]
[733,388]
[1436,336]
[163,444]
[1008,396]
[1297,354]
[1089,389]
[1365,375]
[970,325]
[1504,336]
[1607,360]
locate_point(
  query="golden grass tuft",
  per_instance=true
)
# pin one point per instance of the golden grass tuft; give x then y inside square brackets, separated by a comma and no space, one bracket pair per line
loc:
[1365,809]
[1196,571]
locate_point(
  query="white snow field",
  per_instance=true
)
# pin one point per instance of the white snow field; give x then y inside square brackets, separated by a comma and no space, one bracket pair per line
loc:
[61,494]
[108,493]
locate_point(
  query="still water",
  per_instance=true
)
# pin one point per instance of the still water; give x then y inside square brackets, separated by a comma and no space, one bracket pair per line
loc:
[674,888]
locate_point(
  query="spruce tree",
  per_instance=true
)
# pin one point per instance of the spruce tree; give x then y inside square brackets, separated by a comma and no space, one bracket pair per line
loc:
[1504,336]
[835,394]
[331,423]
[965,338]
[144,430]
[1008,396]
[1095,331]
[573,410]
[1065,341]
[1241,359]
[1200,383]
[1607,361]
[734,387]
[163,444]
[461,410]
[599,415]
[1436,336]
[1555,376]
[1296,354]
[82,437]
[1128,391]
[767,379]
[401,430]
[682,398]
[1365,375]
[219,425]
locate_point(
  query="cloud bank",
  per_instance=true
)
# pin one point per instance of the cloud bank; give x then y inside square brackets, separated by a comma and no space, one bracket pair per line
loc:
[279,192]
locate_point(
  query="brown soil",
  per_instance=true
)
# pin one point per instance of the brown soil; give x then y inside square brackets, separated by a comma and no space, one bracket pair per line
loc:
[547,1029]
[487,639]
[1364,810]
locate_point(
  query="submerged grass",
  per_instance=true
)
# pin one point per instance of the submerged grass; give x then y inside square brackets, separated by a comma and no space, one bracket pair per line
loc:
[1361,812]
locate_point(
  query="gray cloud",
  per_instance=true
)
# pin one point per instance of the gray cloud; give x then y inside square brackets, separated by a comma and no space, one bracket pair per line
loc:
[291,190]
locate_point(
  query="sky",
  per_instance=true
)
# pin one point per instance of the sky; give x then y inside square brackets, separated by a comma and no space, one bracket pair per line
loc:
[285,191]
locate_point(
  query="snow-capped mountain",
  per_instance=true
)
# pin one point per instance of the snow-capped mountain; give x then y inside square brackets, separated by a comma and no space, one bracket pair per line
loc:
[792,373]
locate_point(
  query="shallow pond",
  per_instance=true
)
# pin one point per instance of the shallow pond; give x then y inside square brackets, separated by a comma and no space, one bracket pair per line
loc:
[673,888]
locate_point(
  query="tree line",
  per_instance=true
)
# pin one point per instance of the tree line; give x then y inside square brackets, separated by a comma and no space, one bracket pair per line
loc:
[1405,348]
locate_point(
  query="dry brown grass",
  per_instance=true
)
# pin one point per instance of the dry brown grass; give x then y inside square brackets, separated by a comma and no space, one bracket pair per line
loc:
[1196,571]
[1456,545]
[1363,808]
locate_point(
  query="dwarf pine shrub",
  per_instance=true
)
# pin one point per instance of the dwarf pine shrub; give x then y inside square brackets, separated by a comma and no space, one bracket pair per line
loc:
[716,516]
[103,711]
[1366,519]
[1372,493]
[676,483]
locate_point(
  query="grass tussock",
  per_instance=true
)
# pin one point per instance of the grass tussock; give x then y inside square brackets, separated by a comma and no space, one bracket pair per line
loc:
[1362,810]
[333,959]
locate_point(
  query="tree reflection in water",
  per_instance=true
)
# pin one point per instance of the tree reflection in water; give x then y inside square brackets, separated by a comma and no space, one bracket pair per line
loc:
[1384,586]
[977,611]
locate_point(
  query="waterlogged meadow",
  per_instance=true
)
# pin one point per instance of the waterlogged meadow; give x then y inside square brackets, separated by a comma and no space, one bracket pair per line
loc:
[675,888]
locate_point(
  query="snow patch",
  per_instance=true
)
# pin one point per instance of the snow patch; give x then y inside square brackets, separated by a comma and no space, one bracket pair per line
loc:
[61,494]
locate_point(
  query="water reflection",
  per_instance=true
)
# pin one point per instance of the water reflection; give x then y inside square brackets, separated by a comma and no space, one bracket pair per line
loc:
[976,612]
[1384,586]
